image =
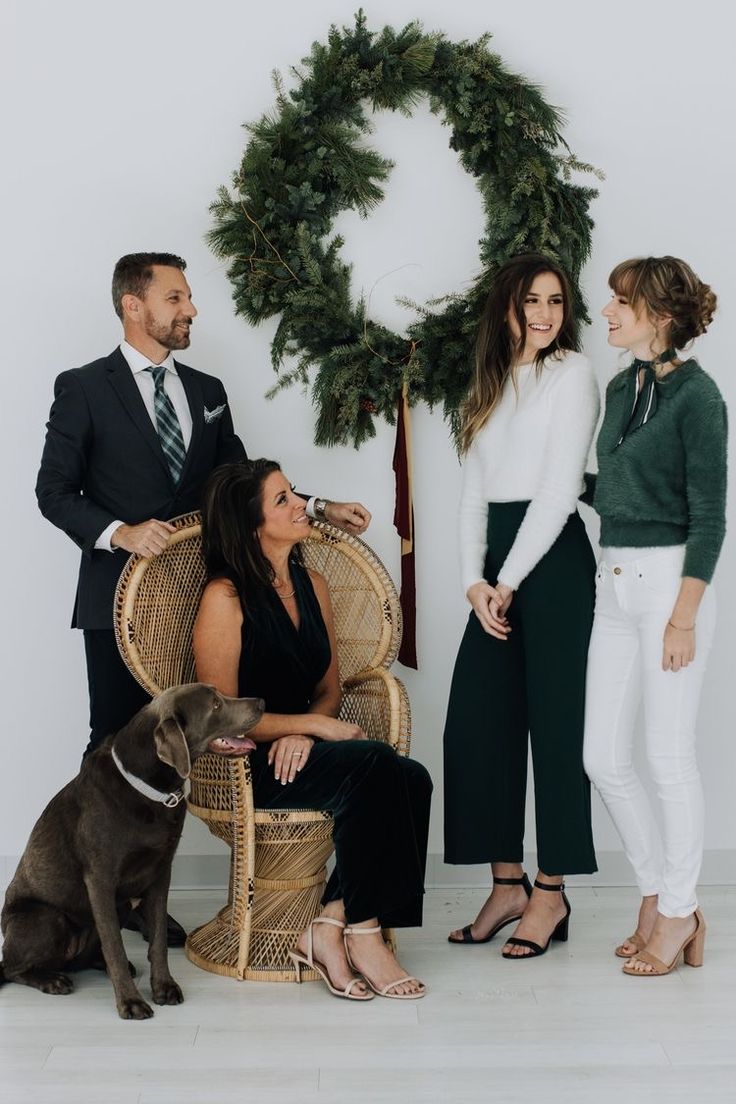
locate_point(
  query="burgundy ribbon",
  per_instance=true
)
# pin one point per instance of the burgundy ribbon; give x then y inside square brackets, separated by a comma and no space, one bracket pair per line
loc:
[404,524]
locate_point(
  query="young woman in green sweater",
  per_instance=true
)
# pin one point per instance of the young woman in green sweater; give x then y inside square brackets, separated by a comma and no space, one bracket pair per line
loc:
[660,492]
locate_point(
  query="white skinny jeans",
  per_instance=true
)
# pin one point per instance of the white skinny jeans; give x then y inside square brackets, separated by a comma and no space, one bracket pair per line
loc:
[635,594]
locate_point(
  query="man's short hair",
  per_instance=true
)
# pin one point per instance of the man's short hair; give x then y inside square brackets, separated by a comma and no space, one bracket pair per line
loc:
[134,272]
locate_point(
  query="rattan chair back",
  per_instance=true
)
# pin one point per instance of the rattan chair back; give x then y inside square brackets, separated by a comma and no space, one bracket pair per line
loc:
[157,599]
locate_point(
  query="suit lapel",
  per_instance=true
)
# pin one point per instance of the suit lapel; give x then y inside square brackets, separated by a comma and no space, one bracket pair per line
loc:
[121,380]
[195,398]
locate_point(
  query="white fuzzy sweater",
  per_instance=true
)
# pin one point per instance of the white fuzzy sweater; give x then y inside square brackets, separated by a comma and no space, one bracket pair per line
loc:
[534,448]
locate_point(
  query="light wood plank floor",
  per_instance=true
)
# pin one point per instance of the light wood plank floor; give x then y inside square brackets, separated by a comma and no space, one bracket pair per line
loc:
[566,1028]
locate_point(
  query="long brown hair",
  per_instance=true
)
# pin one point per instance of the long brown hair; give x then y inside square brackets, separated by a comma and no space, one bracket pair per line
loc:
[496,349]
[666,287]
[232,512]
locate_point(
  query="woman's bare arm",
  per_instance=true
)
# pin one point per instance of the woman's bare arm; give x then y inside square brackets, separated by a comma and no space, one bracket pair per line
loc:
[216,637]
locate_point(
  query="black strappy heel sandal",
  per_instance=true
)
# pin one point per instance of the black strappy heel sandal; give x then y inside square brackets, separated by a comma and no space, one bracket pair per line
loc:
[467,937]
[560,932]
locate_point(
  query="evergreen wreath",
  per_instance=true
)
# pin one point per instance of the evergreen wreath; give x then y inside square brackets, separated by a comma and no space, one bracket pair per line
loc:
[307,160]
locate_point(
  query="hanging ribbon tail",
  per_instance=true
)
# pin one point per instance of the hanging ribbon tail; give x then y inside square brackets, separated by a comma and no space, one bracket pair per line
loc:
[404,525]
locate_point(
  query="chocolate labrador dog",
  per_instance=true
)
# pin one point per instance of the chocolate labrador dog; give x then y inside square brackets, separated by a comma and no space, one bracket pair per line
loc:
[109,836]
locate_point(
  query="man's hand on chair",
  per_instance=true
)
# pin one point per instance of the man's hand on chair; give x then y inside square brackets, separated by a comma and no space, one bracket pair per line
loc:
[147,539]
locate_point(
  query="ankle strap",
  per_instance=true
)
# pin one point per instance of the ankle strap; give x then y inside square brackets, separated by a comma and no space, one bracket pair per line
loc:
[551,888]
[328,920]
[362,931]
[510,881]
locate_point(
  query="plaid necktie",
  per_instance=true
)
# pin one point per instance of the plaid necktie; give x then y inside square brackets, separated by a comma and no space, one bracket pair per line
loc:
[167,424]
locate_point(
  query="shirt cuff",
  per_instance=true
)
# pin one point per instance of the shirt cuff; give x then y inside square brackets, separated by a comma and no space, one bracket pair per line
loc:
[102,543]
[310,507]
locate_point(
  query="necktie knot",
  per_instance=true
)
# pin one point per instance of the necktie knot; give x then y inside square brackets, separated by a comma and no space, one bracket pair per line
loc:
[158,371]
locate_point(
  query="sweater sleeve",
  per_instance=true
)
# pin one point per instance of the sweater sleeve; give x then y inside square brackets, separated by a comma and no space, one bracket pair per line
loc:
[473,519]
[572,420]
[590,479]
[705,434]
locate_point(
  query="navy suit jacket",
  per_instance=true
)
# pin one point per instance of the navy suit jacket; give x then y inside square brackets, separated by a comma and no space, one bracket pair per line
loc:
[102,462]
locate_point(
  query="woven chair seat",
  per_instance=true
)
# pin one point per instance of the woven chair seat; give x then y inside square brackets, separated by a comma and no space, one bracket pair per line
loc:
[278,857]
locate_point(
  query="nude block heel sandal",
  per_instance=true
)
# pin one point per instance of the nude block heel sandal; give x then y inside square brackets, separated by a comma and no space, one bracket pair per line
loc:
[636,941]
[691,950]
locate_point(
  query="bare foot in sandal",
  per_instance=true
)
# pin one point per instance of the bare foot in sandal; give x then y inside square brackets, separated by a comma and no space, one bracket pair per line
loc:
[644,928]
[370,956]
[671,936]
[506,904]
[322,946]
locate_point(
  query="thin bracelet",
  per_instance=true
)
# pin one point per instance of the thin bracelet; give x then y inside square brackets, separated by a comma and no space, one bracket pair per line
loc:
[679,628]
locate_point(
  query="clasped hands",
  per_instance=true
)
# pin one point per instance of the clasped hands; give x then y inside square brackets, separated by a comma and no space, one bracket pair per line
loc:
[490,605]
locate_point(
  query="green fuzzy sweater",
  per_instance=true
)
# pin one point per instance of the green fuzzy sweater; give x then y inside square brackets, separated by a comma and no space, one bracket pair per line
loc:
[665,482]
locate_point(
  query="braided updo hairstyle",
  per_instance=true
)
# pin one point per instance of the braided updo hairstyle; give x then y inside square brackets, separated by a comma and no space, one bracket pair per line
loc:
[666,287]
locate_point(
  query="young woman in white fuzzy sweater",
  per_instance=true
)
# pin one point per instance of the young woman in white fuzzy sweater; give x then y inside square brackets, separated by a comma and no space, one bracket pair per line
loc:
[528,574]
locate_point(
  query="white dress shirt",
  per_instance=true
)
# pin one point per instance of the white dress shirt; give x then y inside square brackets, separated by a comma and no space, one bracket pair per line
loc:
[174,388]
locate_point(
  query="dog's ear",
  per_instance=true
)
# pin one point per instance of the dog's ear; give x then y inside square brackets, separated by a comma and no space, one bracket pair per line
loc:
[172,747]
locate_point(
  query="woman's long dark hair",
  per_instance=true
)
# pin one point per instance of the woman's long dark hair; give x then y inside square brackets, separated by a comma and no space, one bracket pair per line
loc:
[232,511]
[496,350]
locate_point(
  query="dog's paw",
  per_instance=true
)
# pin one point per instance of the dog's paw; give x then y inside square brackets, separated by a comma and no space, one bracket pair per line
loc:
[59,985]
[167,993]
[134,1008]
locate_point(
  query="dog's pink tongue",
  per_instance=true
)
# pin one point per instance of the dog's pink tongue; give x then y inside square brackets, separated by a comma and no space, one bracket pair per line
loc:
[232,743]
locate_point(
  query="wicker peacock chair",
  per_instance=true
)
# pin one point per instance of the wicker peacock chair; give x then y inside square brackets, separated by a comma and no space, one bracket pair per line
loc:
[277,869]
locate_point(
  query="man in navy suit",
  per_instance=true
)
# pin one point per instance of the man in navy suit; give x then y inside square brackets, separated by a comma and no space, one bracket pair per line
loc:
[131,440]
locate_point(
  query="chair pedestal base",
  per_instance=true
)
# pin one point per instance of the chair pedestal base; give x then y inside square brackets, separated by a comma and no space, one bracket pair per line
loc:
[250,938]
[216,946]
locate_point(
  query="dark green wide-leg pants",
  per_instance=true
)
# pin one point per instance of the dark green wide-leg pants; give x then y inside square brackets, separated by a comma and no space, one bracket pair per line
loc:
[528,688]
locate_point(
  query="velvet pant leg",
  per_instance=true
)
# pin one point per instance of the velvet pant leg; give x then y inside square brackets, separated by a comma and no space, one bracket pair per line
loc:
[380,805]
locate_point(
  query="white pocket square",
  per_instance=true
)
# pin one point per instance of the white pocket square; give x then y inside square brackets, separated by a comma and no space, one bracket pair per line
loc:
[213,415]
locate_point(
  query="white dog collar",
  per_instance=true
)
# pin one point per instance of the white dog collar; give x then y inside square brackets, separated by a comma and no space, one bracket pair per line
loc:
[170,800]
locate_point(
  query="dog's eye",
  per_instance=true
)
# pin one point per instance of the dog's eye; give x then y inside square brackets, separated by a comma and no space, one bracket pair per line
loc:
[216,704]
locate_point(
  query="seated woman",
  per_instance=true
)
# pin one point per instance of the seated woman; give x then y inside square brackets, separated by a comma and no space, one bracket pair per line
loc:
[265,629]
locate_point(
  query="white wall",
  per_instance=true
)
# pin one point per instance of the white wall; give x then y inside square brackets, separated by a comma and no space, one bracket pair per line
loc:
[121,120]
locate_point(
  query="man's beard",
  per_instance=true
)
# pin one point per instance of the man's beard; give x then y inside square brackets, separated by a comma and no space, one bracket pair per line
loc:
[175,336]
